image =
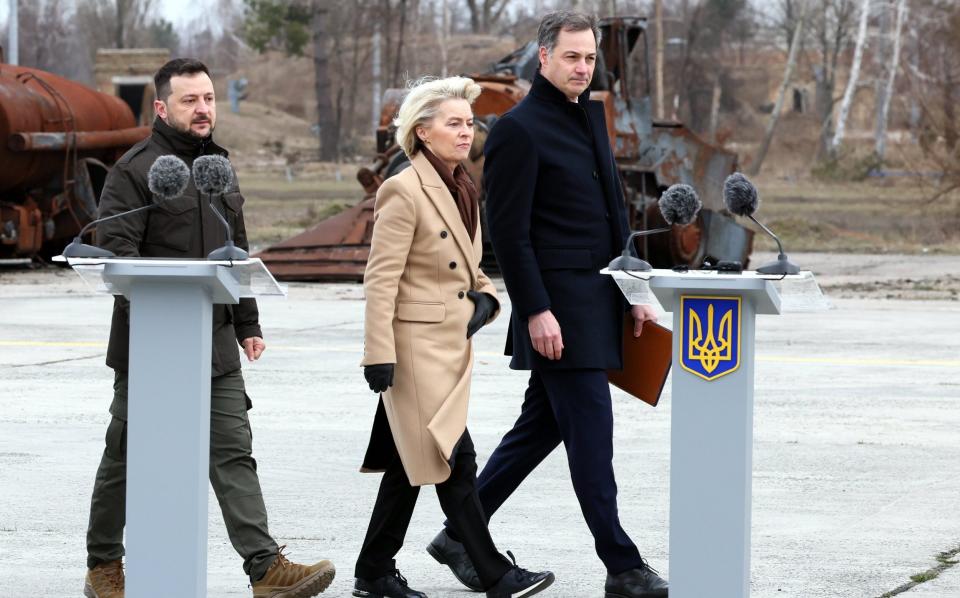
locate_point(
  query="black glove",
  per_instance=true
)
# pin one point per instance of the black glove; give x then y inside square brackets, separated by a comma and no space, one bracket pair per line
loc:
[484,306]
[379,376]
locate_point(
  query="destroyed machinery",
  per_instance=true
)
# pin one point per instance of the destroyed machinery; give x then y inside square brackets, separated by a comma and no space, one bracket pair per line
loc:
[651,155]
[57,141]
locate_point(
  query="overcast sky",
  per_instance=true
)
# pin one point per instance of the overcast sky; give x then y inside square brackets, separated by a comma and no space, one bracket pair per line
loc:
[178,12]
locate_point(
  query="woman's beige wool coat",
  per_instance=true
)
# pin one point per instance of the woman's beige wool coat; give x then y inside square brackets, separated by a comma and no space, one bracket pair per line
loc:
[422,263]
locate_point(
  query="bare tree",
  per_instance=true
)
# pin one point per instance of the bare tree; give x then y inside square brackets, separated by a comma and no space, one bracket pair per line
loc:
[935,83]
[401,34]
[880,145]
[326,117]
[708,49]
[46,40]
[444,36]
[830,24]
[782,92]
[115,23]
[852,80]
[360,54]
[485,14]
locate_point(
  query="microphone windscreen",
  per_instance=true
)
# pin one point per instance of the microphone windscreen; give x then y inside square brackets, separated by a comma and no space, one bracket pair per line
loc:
[679,204]
[212,174]
[740,195]
[168,177]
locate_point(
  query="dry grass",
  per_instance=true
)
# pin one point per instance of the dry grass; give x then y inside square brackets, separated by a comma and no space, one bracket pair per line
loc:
[276,209]
[873,217]
[260,135]
[887,215]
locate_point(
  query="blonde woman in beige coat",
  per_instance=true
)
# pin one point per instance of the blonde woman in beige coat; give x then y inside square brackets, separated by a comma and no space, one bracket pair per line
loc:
[426,296]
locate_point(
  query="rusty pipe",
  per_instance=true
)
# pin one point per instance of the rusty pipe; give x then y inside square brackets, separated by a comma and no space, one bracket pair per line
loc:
[85,140]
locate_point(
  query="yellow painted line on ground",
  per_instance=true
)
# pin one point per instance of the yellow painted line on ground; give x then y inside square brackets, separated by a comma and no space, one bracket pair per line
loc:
[943,363]
[937,363]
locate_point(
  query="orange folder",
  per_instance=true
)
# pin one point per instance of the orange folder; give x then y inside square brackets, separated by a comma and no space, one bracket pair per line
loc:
[646,361]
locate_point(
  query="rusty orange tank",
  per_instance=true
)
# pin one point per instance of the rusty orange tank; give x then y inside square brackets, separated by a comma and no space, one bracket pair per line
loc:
[57,140]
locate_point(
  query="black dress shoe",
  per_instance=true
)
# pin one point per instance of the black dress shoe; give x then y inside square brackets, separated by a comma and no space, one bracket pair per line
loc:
[388,586]
[642,582]
[519,583]
[451,553]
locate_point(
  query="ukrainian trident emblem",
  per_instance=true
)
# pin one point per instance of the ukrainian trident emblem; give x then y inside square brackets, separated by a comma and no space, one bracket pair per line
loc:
[709,335]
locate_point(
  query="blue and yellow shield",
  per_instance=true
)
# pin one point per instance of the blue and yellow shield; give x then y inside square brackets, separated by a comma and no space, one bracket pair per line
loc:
[709,335]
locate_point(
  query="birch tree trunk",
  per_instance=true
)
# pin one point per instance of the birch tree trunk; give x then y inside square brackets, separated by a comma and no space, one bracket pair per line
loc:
[851,81]
[881,141]
[715,108]
[781,94]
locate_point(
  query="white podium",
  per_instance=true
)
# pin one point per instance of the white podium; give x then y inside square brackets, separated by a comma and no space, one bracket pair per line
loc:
[712,418]
[168,429]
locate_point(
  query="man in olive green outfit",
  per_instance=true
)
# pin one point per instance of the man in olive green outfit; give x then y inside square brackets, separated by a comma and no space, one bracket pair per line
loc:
[185,228]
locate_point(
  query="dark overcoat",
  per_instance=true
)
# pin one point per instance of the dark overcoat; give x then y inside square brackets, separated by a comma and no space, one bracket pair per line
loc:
[556,216]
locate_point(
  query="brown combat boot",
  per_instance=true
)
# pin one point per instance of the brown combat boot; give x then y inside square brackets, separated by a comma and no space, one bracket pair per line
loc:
[289,580]
[105,581]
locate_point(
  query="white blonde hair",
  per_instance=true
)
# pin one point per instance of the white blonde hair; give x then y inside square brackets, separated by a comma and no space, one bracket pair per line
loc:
[421,103]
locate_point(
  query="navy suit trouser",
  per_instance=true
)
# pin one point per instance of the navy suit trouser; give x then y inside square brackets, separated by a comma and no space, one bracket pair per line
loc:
[573,407]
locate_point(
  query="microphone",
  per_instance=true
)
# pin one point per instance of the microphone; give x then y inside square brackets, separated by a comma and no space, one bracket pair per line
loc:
[741,198]
[167,178]
[679,204]
[213,176]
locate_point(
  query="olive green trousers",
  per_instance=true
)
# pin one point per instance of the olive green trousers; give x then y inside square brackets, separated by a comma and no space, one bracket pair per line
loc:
[233,474]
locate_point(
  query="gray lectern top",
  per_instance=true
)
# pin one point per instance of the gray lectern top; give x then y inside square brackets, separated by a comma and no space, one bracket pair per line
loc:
[234,279]
[773,293]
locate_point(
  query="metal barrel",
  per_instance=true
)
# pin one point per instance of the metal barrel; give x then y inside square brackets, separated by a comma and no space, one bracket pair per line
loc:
[40,113]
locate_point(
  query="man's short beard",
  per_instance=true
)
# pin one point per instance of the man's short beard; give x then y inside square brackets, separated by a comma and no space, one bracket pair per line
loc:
[187,129]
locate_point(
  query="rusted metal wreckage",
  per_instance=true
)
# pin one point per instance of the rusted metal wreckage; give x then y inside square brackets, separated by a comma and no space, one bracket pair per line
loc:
[651,155]
[57,141]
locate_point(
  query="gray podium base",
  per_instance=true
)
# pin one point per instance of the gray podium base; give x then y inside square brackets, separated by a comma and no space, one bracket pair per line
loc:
[168,413]
[169,410]
[711,447]
[711,476]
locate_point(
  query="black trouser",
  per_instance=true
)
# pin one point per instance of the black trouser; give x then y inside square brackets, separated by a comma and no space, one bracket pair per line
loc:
[458,499]
[233,475]
[573,407]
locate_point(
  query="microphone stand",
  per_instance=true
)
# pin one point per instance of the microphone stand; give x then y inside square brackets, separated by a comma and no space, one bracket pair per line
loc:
[229,251]
[629,260]
[77,248]
[782,265]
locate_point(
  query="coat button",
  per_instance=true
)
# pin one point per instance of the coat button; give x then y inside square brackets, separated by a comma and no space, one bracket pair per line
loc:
[443,234]
[453,265]
[596,175]
[460,295]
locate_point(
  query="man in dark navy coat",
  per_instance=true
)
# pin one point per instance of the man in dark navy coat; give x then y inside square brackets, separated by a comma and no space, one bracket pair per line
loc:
[556,216]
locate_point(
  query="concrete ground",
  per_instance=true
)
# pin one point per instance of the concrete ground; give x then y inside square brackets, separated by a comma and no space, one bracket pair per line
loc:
[856,458]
